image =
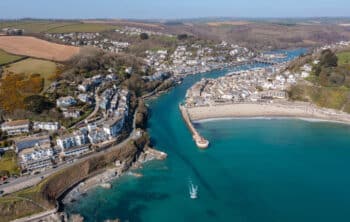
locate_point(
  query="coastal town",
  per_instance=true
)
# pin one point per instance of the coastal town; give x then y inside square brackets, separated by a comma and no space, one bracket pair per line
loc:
[259,85]
[102,107]
[98,106]
[180,61]
[88,117]
[46,144]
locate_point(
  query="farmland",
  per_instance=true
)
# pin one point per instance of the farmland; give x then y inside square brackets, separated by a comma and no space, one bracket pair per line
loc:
[33,26]
[30,26]
[33,66]
[82,27]
[33,47]
[8,58]
[230,23]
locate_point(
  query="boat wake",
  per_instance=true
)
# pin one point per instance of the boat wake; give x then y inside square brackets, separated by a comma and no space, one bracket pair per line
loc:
[193,190]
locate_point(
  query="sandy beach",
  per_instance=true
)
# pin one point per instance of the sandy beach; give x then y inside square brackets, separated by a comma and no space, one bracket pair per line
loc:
[285,109]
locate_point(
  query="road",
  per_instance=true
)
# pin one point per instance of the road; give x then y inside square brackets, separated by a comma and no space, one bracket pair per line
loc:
[94,112]
[31,180]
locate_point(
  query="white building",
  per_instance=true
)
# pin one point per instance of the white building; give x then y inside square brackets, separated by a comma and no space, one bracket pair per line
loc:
[16,127]
[85,98]
[36,158]
[76,151]
[113,126]
[49,126]
[65,102]
[78,138]
[98,136]
[71,114]
[31,141]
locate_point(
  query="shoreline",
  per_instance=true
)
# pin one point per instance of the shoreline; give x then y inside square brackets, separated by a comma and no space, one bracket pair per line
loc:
[306,119]
[286,110]
[110,175]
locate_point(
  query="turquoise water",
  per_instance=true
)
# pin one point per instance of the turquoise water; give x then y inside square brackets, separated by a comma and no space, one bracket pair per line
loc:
[255,170]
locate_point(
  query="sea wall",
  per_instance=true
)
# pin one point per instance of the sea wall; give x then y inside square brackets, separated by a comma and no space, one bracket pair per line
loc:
[199,140]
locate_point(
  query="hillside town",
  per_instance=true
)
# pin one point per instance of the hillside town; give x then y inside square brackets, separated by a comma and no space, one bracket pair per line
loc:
[97,108]
[43,145]
[89,39]
[136,31]
[261,85]
[197,58]
[183,60]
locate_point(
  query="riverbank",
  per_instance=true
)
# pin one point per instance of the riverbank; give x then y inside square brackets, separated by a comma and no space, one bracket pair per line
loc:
[283,109]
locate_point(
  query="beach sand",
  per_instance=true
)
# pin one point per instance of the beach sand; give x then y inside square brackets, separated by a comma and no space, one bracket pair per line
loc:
[286,109]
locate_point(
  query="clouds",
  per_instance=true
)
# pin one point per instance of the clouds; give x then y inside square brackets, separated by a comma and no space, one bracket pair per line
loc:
[171,8]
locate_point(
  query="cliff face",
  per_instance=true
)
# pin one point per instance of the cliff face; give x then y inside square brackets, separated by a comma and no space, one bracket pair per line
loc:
[59,183]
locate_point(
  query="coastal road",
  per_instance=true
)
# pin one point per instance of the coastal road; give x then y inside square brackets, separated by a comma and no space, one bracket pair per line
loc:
[31,180]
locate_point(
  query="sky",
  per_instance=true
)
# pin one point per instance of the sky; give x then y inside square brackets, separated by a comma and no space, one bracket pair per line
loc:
[171,9]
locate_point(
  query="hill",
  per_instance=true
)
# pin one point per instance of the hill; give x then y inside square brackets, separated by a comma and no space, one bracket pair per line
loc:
[252,33]
[329,83]
[37,48]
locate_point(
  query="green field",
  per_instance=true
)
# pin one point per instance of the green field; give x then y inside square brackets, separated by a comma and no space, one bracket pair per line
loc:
[34,26]
[343,58]
[8,58]
[8,162]
[82,27]
[46,69]
[56,26]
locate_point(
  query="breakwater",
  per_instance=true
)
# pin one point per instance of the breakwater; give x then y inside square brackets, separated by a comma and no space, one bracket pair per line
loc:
[200,141]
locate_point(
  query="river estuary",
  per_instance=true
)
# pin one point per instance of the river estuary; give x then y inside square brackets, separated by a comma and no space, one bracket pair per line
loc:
[255,170]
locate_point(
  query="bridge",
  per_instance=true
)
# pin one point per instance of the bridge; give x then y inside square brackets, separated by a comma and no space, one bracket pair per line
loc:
[265,61]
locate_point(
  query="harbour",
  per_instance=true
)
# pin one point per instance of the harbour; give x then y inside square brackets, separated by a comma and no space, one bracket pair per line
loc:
[244,175]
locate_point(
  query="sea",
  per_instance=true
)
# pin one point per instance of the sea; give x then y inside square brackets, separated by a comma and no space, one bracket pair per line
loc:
[255,170]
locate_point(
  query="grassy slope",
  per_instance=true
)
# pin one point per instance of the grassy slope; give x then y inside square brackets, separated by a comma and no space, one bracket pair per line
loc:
[8,162]
[343,58]
[46,69]
[334,97]
[7,58]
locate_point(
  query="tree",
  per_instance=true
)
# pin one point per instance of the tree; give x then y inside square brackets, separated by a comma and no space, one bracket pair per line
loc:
[144,36]
[182,36]
[328,59]
[317,69]
[37,103]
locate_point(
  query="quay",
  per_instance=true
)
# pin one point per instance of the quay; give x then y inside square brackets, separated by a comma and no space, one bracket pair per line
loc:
[201,142]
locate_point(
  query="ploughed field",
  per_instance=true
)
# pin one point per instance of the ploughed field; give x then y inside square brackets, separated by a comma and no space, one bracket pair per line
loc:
[33,47]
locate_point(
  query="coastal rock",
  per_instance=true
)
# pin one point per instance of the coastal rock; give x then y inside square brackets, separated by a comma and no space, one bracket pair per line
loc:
[116,220]
[76,218]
